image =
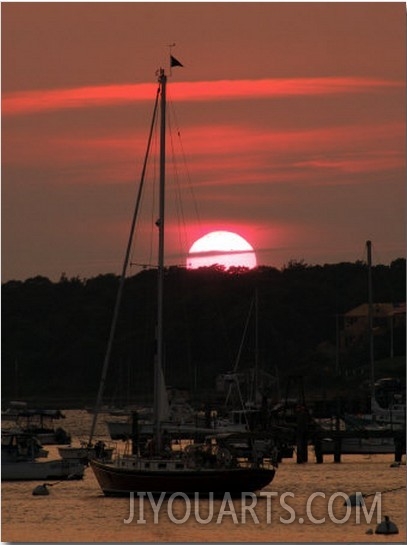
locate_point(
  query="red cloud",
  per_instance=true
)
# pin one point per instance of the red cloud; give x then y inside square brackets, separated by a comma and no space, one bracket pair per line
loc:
[96,96]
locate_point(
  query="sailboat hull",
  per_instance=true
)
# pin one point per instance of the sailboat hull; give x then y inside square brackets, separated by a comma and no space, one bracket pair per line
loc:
[118,481]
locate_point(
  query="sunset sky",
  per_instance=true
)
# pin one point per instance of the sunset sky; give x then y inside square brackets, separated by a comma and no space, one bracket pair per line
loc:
[291,118]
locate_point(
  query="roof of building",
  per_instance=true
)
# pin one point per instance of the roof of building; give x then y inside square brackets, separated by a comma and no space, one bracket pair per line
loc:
[379,310]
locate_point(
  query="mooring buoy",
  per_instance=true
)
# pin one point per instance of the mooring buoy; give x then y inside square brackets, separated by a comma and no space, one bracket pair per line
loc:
[355,500]
[41,490]
[386,527]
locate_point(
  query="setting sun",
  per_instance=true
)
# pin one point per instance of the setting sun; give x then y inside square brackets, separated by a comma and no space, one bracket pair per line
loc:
[221,248]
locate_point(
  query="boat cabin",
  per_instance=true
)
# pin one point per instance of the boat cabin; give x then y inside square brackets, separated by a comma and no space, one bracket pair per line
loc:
[16,446]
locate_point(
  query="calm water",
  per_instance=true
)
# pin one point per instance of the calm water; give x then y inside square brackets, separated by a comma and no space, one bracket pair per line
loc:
[76,511]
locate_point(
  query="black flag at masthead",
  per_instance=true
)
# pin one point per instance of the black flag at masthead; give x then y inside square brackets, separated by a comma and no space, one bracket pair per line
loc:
[175,62]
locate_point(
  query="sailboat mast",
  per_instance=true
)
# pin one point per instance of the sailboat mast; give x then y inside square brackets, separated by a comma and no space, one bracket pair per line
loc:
[256,347]
[370,316]
[158,367]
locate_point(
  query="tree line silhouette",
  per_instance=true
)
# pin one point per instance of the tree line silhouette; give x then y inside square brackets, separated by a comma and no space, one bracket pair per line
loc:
[55,333]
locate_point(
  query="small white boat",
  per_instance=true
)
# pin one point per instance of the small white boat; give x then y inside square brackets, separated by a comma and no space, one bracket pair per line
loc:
[39,471]
[19,461]
[84,453]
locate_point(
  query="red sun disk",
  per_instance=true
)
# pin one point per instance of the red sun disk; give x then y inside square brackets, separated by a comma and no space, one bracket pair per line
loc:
[221,248]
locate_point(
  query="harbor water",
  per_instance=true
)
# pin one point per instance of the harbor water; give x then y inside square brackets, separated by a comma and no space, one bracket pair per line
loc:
[304,503]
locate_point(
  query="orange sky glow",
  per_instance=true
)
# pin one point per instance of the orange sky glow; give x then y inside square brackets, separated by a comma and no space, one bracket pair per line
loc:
[287,126]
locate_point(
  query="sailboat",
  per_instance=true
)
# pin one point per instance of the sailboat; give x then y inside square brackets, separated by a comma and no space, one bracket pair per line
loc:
[208,467]
[392,417]
[249,408]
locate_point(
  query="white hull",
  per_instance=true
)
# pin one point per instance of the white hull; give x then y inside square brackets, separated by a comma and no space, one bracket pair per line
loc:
[39,471]
[394,417]
[83,453]
[361,446]
[50,437]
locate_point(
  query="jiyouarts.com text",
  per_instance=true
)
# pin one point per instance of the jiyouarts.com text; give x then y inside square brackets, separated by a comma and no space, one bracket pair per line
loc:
[266,507]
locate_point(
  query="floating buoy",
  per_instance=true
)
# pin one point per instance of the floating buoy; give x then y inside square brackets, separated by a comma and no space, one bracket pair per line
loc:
[386,527]
[355,500]
[41,490]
